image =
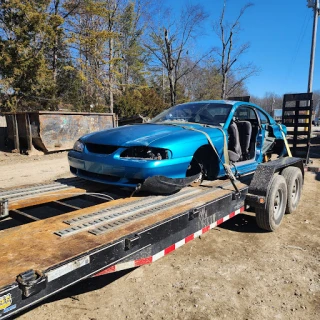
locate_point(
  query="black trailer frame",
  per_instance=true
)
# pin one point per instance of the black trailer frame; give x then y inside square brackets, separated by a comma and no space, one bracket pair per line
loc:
[143,247]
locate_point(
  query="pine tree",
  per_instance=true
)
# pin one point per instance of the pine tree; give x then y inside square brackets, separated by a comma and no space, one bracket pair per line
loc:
[23,68]
[133,55]
[91,40]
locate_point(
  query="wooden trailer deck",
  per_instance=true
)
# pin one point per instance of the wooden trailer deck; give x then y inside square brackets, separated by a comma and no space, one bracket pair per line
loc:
[42,244]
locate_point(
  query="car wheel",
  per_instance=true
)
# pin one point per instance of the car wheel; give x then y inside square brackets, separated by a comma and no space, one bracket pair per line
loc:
[205,161]
[195,167]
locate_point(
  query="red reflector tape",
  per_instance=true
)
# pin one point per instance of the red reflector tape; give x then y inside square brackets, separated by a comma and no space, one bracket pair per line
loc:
[205,229]
[142,261]
[219,221]
[148,260]
[189,238]
[169,249]
[106,271]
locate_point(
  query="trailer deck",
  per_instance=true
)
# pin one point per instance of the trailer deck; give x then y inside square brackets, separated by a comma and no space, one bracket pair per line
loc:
[47,255]
[72,231]
[15,199]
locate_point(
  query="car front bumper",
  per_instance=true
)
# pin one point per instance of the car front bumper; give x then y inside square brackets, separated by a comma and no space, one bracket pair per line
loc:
[111,169]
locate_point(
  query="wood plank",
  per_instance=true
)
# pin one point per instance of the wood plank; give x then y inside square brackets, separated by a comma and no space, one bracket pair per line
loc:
[42,249]
[298,133]
[296,116]
[300,108]
[304,141]
[296,125]
[45,197]
[297,97]
[298,149]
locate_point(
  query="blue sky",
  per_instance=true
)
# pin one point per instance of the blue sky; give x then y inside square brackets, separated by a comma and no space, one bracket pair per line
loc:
[279,32]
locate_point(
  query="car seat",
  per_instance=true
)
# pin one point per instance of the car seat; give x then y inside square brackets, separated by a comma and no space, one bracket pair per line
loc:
[245,132]
[234,147]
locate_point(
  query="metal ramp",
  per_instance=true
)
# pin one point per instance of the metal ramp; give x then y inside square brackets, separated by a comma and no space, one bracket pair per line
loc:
[296,116]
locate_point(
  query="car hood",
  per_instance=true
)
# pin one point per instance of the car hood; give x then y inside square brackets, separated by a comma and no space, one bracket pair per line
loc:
[145,134]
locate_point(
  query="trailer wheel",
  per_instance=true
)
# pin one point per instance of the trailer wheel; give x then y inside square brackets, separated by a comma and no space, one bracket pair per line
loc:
[270,217]
[294,181]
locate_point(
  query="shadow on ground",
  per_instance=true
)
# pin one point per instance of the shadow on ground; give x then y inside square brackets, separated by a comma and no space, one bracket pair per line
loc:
[241,223]
[244,223]
[315,147]
[83,286]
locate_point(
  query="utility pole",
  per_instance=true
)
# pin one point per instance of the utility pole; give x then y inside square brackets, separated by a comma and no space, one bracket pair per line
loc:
[314,4]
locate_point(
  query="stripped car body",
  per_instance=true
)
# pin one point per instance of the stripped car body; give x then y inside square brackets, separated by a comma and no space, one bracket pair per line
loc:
[183,141]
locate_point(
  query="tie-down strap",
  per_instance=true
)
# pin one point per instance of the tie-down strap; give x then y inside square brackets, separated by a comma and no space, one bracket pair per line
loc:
[225,163]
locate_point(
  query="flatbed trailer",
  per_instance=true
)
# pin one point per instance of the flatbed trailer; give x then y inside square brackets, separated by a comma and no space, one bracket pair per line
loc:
[100,236]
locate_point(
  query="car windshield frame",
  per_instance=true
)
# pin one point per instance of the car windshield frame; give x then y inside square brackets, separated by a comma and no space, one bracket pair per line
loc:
[205,113]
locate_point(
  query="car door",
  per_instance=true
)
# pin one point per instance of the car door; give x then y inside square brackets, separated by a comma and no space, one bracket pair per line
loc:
[268,132]
[250,114]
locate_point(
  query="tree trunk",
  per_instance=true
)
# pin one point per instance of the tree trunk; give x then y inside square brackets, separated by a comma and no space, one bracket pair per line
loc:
[55,50]
[172,88]
[111,75]
[172,92]
[170,68]
[55,59]
[224,85]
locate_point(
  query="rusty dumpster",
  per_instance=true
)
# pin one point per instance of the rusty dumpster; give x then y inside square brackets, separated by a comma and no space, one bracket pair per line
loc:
[52,131]
[3,131]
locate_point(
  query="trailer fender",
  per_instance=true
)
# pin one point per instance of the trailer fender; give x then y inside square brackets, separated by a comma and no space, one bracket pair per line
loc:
[262,179]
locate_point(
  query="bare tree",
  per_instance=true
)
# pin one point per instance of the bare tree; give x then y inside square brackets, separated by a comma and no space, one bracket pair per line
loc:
[316,103]
[229,53]
[203,82]
[269,102]
[170,42]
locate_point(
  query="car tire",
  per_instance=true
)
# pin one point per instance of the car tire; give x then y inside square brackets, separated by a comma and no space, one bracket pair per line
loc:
[294,180]
[269,218]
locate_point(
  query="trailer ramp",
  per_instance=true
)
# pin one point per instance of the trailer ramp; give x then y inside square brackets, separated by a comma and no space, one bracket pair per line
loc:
[296,115]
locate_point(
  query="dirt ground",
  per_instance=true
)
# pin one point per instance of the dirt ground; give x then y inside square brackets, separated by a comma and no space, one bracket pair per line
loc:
[19,170]
[235,271]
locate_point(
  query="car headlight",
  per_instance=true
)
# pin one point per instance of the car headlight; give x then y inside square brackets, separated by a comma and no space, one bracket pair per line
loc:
[148,153]
[78,146]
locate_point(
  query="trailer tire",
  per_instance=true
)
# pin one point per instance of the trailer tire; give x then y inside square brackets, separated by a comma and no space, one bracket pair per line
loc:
[294,181]
[270,217]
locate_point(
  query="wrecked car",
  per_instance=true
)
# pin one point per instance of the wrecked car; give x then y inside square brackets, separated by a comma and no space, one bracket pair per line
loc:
[190,141]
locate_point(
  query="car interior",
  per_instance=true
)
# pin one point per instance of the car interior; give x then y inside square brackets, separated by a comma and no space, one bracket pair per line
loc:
[243,131]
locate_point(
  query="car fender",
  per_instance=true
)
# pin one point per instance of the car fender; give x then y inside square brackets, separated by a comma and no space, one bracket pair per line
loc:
[187,142]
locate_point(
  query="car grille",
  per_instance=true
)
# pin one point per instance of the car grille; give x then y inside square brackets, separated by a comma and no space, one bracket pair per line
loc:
[100,148]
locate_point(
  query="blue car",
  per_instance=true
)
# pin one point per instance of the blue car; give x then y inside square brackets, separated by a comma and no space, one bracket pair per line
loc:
[190,140]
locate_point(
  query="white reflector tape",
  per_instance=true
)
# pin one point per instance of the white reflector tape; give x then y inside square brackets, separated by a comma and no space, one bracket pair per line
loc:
[180,243]
[158,255]
[226,218]
[198,233]
[71,266]
[213,225]
[125,265]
